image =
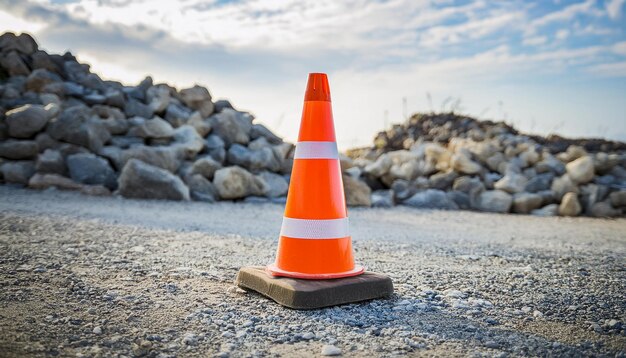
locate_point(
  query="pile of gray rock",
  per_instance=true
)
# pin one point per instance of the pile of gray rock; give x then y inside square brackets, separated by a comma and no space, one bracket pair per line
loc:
[63,126]
[445,161]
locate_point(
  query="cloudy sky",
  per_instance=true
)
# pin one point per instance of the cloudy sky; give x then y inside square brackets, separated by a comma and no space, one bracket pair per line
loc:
[544,66]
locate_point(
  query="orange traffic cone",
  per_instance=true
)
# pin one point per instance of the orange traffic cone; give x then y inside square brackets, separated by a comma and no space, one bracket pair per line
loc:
[315,240]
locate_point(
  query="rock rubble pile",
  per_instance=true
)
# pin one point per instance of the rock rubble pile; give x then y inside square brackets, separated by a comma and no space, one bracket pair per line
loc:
[63,126]
[447,161]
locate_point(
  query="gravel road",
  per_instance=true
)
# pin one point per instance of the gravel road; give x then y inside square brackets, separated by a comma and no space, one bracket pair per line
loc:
[90,276]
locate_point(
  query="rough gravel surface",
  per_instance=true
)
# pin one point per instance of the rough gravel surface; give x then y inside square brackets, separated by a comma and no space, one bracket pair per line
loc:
[93,276]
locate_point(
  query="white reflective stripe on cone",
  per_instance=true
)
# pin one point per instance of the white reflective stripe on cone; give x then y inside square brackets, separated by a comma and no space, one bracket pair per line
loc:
[316,150]
[315,229]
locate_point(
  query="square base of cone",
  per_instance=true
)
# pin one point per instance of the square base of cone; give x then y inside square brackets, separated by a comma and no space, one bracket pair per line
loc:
[310,294]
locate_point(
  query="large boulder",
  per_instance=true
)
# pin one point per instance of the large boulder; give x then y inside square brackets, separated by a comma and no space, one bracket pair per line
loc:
[562,185]
[511,183]
[198,98]
[524,203]
[570,206]
[14,64]
[496,201]
[539,183]
[168,158]
[18,149]
[155,128]
[26,121]
[463,164]
[38,79]
[145,181]
[581,170]
[187,139]
[88,168]
[382,199]
[18,172]
[205,166]
[548,210]
[277,184]
[51,161]
[22,43]
[604,209]
[618,199]
[236,183]
[431,199]
[201,188]
[232,126]
[357,192]
[45,181]
[77,126]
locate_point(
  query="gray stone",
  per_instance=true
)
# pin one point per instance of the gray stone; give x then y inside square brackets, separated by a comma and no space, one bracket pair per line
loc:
[260,131]
[94,99]
[496,201]
[329,350]
[26,121]
[18,172]
[198,98]
[357,192]
[18,149]
[461,199]
[39,78]
[539,183]
[550,164]
[618,199]
[13,64]
[511,183]
[463,164]
[22,43]
[167,158]
[562,185]
[75,125]
[312,294]
[205,166]
[201,125]
[232,126]
[235,183]
[152,128]
[115,98]
[570,206]
[91,169]
[547,197]
[51,161]
[442,180]
[581,170]
[221,104]
[431,199]
[548,210]
[187,139]
[125,142]
[176,115]
[158,98]
[382,199]
[134,108]
[44,141]
[239,155]
[145,181]
[524,203]
[201,188]
[603,209]
[604,162]
[45,181]
[277,184]
[468,184]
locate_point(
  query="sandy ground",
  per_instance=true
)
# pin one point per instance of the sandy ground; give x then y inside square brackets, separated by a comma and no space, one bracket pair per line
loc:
[96,276]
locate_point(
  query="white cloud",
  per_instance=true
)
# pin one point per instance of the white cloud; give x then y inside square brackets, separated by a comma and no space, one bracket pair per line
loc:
[562,34]
[610,69]
[9,22]
[535,40]
[614,8]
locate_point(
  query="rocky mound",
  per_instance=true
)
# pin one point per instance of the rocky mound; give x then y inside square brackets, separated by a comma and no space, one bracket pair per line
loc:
[446,161]
[63,126]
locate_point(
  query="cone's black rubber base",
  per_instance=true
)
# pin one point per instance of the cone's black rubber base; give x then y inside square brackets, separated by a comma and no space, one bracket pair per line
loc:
[310,294]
